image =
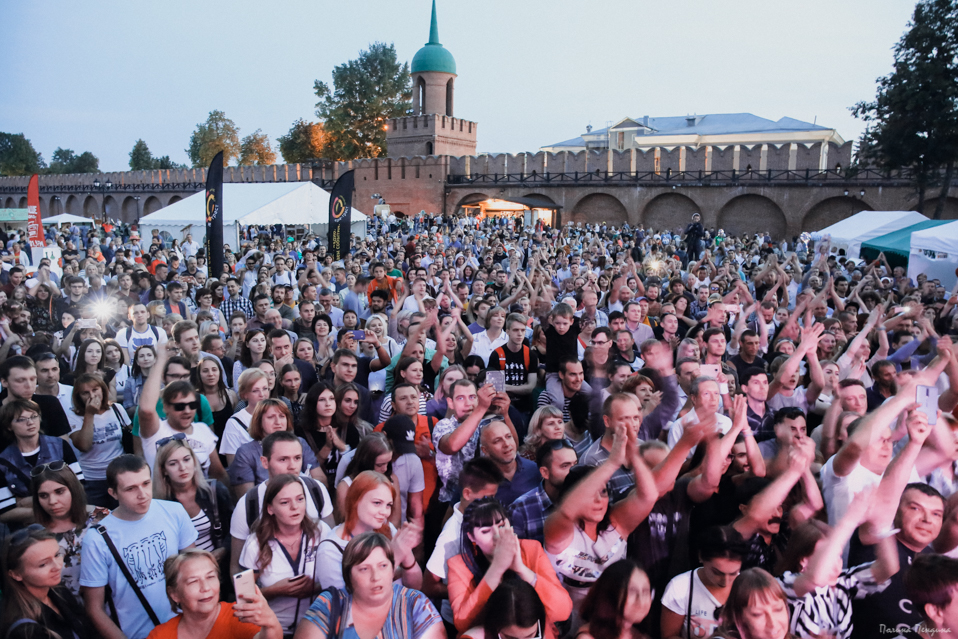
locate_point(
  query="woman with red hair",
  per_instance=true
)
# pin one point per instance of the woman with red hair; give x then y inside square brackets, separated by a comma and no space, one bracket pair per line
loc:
[369,503]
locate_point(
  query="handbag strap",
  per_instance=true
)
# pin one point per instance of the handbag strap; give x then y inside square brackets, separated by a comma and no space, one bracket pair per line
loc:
[126,573]
[688,610]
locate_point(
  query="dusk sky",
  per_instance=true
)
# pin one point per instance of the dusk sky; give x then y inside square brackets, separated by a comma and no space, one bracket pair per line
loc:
[95,76]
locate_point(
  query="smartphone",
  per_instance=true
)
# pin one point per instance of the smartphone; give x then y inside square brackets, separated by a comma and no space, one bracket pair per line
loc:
[359,335]
[927,398]
[497,379]
[710,370]
[86,323]
[244,583]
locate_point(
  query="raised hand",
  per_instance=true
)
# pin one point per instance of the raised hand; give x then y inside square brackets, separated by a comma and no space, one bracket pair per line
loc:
[917,425]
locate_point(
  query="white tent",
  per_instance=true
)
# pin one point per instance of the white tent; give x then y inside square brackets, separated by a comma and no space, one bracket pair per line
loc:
[934,252]
[66,218]
[866,225]
[249,203]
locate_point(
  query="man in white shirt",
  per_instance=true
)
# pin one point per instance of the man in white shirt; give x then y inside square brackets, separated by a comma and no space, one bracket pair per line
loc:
[189,246]
[706,399]
[140,334]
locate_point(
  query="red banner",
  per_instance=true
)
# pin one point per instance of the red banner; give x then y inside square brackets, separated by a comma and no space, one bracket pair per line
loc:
[34,224]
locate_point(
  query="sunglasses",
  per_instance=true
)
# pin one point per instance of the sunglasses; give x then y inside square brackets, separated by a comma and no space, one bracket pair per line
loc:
[55,466]
[180,406]
[166,440]
[21,535]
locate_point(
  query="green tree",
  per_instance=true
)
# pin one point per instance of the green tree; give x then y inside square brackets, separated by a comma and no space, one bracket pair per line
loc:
[305,141]
[18,157]
[218,133]
[368,92]
[66,161]
[913,121]
[255,149]
[140,157]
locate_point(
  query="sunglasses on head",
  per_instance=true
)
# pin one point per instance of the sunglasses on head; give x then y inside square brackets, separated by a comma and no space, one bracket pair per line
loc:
[54,466]
[180,406]
[166,440]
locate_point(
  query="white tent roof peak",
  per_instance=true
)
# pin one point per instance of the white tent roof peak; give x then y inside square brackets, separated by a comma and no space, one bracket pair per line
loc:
[255,203]
[66,218]
[850,233]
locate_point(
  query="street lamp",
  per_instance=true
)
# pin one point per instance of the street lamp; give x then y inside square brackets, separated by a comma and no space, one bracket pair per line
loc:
[103,188]
[137,198]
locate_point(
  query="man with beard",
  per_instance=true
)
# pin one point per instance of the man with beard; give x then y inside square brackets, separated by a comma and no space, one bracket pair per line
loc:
[571,377]
[528,513]
[885,383]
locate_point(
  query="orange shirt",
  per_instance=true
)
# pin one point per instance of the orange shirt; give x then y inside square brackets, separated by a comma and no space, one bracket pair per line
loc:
[226,626]
[431,475]
[468,598]
[389,286]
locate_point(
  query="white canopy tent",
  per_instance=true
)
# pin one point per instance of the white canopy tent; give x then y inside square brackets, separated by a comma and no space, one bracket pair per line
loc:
[264,203]
[67,218]
[934,252]
[866,225]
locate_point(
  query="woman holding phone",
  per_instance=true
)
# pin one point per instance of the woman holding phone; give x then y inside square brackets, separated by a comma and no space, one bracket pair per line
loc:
[193,588]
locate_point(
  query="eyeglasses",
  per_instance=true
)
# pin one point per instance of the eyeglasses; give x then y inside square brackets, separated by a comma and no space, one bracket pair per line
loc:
[181,406]
[603,342]
[166,440]
[55,466]
[27,419]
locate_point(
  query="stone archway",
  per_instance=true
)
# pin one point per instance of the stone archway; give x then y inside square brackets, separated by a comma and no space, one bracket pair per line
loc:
[598,207]
[174,199]
[9,203]
[832,210]
[472,197]
[669,211]
[951,208]
[72,205]
[556,215]
[91,208]
[23,203]
[152,205]
[111,208]
[747,214]
[129,209]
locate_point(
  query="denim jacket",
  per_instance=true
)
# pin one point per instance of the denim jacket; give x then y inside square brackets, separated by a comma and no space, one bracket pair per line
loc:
[16,470]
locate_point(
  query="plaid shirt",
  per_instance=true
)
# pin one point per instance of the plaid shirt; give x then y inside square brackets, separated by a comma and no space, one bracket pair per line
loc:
[230,306]
[622,481]
[528,514]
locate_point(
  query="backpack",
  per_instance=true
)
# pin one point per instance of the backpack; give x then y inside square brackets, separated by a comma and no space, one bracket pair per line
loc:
[153,329]
[252,500]
[502,357]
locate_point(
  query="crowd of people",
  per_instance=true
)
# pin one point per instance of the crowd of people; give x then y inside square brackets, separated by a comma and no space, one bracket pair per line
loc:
[474,428]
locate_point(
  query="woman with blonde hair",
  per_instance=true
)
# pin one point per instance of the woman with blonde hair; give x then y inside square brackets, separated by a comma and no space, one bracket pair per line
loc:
[193,588]
[378,325]
[271,416]
[756,608]
[253,388]
[282,551]
[546,425]
[368,507]
[178,476]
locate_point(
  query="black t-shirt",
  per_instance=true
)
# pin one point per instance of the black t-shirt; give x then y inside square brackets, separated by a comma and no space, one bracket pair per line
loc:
[559,346]
[891,608]
[741,365]
[517,373]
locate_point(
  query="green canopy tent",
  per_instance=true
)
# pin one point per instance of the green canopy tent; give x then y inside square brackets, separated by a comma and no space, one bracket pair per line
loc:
[896,245]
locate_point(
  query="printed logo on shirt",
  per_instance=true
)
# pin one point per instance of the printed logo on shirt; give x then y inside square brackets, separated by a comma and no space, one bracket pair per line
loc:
[145,559]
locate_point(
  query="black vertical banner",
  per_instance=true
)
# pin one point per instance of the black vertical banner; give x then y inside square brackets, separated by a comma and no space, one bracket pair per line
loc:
[214,217]
[340,210]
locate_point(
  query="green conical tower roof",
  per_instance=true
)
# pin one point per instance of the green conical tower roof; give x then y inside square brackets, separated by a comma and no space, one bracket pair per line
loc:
[433,56]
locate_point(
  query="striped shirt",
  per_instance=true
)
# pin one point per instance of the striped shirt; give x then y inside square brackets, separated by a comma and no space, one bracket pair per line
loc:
[204,530]
[828,609]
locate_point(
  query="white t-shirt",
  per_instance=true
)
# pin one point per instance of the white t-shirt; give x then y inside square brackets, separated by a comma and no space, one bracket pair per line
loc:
[704,604]
[151,337]
[107,440]
[201,440]
[239,528]
[676,428]
[236,432]
[412,479]
[447,547]
[289,610]
[838,492]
